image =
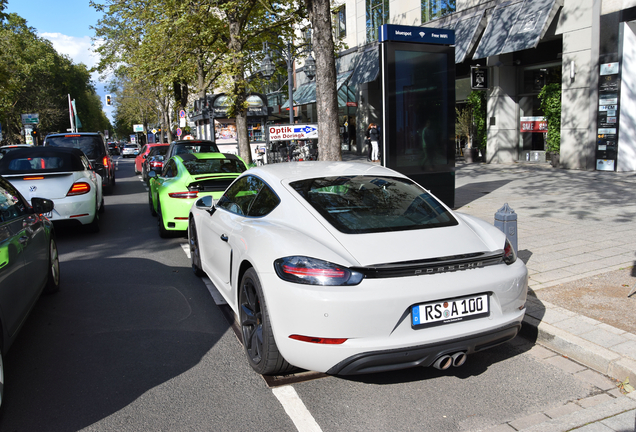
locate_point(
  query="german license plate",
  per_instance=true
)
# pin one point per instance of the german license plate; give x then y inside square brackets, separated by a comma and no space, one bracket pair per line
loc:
[449,311]
[47,215]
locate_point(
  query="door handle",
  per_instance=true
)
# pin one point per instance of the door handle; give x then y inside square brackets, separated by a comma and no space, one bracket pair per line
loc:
[224,237]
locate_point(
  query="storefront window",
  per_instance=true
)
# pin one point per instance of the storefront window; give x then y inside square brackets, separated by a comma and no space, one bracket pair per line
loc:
[432,9]
[377,15]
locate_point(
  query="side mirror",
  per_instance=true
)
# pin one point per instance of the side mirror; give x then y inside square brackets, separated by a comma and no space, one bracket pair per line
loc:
[42,205]
[206,203]
[152,174]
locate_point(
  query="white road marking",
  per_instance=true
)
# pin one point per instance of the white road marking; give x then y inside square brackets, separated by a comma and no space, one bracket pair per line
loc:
[296,409]
[286,395]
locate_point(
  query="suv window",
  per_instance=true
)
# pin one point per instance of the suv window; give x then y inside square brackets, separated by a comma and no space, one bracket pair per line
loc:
[91,145]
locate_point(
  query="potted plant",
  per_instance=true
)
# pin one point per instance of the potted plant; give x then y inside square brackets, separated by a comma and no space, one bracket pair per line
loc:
[550,97]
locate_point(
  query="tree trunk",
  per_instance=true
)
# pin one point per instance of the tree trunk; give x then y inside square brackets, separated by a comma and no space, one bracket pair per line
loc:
[236,47]
[326,91]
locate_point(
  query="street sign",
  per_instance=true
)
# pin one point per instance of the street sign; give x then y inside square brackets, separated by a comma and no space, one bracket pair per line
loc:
[179,132]
[182,114]
[154,131]
[293,132]
[30,119]
[478,78]
[138,128]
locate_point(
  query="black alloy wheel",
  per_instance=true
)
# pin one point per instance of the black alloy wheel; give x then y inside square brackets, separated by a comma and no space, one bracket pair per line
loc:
[195,254]
[258,340]
[53,280]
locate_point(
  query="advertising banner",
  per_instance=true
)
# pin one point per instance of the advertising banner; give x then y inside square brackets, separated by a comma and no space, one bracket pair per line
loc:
[293,132]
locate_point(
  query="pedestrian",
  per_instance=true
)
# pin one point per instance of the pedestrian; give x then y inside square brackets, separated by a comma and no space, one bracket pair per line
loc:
[352,132]
[373,135]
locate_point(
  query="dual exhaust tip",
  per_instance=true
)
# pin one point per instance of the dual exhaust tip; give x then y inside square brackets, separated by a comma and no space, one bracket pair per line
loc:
[446,361]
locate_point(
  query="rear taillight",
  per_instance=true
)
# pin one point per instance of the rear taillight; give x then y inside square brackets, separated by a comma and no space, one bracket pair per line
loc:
[510,256]
[187,194]
[312,271]
[318,340]
[79,188]
[106,162]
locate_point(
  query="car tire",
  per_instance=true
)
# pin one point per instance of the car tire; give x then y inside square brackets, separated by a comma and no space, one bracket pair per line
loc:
[195,254]
[256,329]
[53,281]
[152,208]
[1,379]
[102,208]
[163,232]
[144,174]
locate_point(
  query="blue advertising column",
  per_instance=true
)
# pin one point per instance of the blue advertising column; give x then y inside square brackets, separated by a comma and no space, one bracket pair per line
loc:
[418,124]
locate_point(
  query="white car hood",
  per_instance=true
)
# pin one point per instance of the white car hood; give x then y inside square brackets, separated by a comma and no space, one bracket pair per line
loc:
[469,236]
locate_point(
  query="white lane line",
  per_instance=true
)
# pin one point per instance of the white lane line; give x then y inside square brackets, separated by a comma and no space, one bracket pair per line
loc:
[296,409]
[216,295]
[286,395]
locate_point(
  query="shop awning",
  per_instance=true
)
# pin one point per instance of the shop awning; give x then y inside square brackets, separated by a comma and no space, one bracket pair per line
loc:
[531,25]
[494,39]
[516,25]
[306,93]
[368,67]
[467,31]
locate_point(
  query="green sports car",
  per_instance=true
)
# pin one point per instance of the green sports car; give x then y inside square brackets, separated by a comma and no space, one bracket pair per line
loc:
[186,178]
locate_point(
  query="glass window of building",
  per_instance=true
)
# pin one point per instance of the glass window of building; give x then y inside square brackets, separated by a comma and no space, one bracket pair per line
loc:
[340,22]
[432,9]
[377,15]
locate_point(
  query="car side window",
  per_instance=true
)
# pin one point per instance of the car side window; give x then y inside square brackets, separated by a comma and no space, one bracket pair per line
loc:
[170,169]
[240,196]
[265,202]
[12,205]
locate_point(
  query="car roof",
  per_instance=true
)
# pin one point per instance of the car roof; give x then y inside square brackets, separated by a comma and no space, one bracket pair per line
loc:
[73,133]
[43,151]
[192,142]
[293,171]
[209,155]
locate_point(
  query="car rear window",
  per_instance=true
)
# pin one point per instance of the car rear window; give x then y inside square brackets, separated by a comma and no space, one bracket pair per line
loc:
[62,162]
[91,145]
[214,166]
[369,204]
[195,148]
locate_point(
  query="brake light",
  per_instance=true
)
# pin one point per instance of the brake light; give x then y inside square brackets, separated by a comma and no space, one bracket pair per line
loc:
[312,271]
[318,340]
[106,162]
[510,256]
[33,178]
[79,188]
[182,195]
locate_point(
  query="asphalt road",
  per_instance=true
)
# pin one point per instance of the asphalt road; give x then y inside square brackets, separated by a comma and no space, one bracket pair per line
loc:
[134,342]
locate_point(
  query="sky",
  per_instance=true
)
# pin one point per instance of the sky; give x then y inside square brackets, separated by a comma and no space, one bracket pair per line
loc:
[66,23]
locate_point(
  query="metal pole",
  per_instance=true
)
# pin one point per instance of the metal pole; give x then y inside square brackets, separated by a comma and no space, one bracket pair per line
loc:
[290,77]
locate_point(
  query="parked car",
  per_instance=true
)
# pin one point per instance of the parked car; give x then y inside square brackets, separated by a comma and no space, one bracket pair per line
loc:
[29,263]
[347,268]
[185,178]
[143,154]
[130,150]
[154,161]
[7,148]
[61,174]
[94,147]
[113,149]
[191,146]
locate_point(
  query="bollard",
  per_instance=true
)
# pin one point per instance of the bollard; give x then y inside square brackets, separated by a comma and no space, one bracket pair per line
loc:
[506,221]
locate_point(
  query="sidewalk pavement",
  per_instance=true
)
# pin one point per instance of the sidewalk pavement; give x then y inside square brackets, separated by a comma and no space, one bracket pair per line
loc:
[571,225]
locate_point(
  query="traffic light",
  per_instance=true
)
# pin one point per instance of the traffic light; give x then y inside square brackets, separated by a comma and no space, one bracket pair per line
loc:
[34,133]
[108,100]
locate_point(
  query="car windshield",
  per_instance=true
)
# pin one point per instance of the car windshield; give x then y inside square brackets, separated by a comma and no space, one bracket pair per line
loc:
[43,163]
[132,146]
[369,204]
[214,166]
[90,145]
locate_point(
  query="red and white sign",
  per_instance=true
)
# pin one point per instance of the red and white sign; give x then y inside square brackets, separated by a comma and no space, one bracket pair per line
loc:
[534,124]
[293,132]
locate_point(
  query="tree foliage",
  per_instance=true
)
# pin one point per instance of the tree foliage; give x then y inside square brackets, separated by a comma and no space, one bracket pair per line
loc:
[478,106]
[34,78]
[550,97]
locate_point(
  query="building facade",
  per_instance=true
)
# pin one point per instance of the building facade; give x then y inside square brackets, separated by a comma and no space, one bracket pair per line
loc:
[585,46]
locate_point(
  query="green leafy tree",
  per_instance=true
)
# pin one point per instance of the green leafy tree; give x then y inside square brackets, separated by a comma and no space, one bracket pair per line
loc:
[478,105]
[550,97]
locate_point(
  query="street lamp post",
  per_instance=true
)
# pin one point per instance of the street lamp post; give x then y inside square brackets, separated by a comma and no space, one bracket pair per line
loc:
[289,53]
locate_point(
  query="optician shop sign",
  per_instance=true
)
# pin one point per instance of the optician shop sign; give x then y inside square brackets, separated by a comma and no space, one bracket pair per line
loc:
[293,132]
